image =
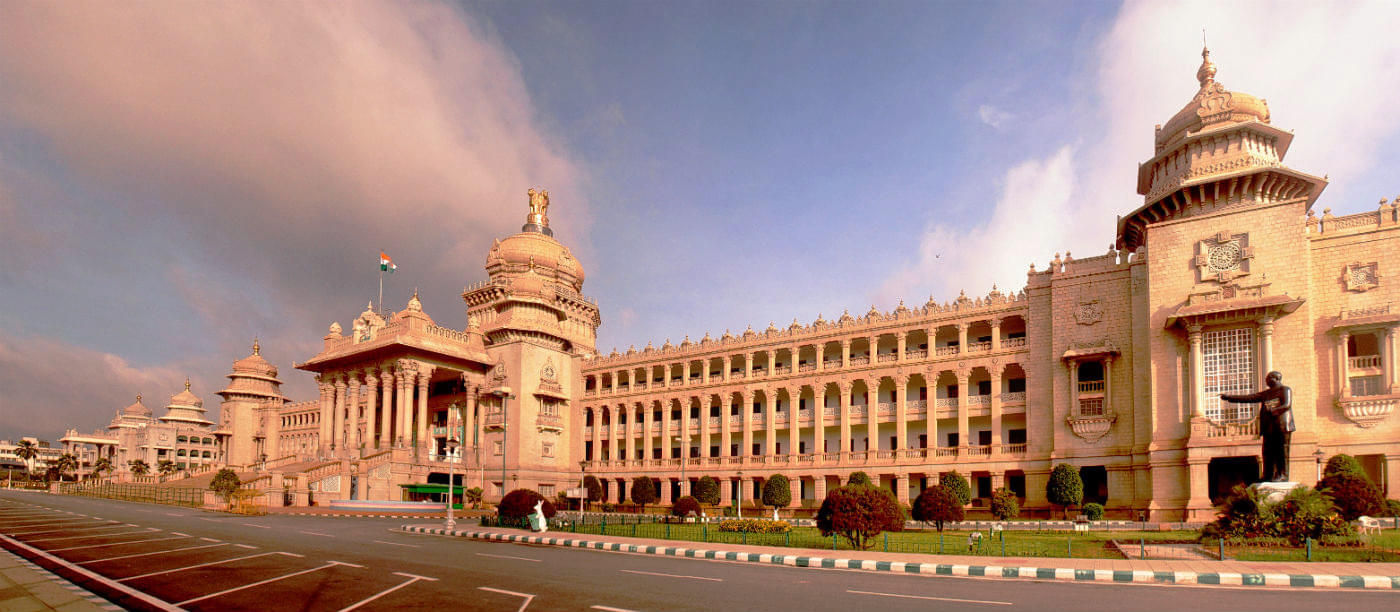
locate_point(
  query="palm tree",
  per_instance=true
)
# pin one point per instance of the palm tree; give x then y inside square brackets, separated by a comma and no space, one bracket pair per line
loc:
[66,463]
[139,467]
[166,467]
[27,450]
[102,466]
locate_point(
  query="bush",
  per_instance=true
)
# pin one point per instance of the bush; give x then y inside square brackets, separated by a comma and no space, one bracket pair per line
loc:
[859,478]
[938,505]
[685,506]
[643,491]
[519,504]
[1004,504]
[755,526]
[1391,508]
[1343,464]
[859,513]
[1303,513]
[594,487]
[1064,488]
[957,485]
[1093,511]
[1353,495]
[707,490]
[225,484]
[609,507]
[777,491]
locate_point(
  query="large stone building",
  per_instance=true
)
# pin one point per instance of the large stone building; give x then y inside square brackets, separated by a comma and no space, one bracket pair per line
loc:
[1111,363]
[182,436]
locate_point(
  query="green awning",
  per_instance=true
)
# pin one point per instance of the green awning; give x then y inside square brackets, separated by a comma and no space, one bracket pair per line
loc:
[431,488]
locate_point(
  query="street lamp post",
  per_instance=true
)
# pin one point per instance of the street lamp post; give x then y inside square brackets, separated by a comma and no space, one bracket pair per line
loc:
[683,450]
[452,444]
[504,393]
[1317,456]
[739,507]
[581,478]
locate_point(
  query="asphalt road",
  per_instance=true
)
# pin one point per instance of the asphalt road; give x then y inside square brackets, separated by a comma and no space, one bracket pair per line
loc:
[210,561]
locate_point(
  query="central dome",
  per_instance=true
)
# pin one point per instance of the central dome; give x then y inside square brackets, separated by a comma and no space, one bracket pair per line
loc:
[535,248]
[1212,104]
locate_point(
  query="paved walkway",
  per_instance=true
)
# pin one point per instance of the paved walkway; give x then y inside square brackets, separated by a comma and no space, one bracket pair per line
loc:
[1174,571]
[25,587]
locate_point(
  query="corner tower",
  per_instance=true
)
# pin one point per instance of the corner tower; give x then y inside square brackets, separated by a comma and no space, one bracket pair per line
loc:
[248,414]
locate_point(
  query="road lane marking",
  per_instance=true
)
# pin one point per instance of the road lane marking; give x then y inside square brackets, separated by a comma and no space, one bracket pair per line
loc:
[507,557]
[108,525]
[67,521]
[108,582]
[397,544]
[210,540]
[255,525]
[672,575]
[178,533]
[900,595]
[324,535]
[609,609]
[87,535]
[113,544]
[245,546]
[262,582]
[412,578]
[190,567]
[147,554]
[527,597]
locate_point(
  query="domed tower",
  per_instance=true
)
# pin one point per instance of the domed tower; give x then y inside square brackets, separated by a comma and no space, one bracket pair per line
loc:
[538,326]
[248,421]
[185,408]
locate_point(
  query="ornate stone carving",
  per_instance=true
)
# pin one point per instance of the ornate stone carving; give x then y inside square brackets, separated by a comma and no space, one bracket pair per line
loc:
[1091,428]
[1361,276]
[1088,312]
[498,377]
[1367,411]
[1223,257]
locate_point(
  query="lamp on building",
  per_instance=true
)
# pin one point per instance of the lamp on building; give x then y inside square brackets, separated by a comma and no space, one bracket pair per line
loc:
[684,452]
[452,444]
[1317,456]
[581,478]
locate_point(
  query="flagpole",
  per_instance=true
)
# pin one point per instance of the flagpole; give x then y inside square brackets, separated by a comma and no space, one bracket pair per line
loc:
[381,281]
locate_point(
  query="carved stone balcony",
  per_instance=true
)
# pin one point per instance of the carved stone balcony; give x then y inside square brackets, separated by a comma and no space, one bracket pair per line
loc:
[1367,410]
[916,353]
[944,351]
[1091,427]
[495,421]
[549,422]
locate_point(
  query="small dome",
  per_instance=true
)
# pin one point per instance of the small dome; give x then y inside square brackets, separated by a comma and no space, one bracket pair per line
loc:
[255,363]
[1212,104]
[185,398]
[137,409]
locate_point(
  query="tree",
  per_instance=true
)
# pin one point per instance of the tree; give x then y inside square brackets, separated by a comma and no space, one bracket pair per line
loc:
[594,488]
[102,466]
[225,484]
[685,506]
[65,463]
[859,478]
[643,491]
[1093,511]
[1004,504]
[472,496]
[1353,495]
[938,505]
[859,513]
[1343,464]
[139,467]
[27,450]
[707,490]
[519,504]
[777,491]
[1064,488]
[957,485]
[166,467]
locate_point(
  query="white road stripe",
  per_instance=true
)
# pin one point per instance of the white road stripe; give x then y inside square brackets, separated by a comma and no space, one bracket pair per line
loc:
[210,540]
[148,554]
[902,596]
[178,533]
[244,546]
[507,557]
[411,579]
[190,567]
[126,590]
[609,609]
[108,525]
[260,583]
[397,544]
[324,535]
[672,575]
[87,535]
[112,544]
[527,596]
[255,525]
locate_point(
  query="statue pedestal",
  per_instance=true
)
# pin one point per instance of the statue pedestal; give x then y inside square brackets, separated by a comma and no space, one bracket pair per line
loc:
[1274,492]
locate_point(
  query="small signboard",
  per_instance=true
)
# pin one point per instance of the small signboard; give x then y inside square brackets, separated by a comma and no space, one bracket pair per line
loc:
[576,493]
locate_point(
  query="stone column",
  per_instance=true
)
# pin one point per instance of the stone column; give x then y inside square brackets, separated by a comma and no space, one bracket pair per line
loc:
[819,486]
[1388,353]
[646,432]
[818,418]
[726,492]
[901,488]
[1343,385]
[901,415]
[772,361]
[685,372]
[323,441]
[403,379]
[726,402]
[964,393]
[632,422]
[996,334]
[619,432]
[748,364]
[845,355]
[1197,372]
[352,414]
[1108,383]
[820,349]
[665,429]
[845,419]
[423,439]
[996,404]
[795,492]
[666,498]
[962,342]
[794,396]
[597,434]
[386,439]
[746,418]
[900,344]
[338,418]
[872,419]
[685,429]
[1266,349]
[770,430]
[705,427]
[873,351]
[371,408]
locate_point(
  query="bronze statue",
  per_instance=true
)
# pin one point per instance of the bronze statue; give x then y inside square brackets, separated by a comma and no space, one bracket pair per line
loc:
[1275,424]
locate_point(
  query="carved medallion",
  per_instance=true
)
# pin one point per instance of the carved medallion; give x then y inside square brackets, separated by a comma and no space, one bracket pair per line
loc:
[1361,276]
[1223,257]
[1088,313]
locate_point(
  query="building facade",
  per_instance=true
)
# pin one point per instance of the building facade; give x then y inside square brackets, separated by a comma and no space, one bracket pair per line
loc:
[182,436]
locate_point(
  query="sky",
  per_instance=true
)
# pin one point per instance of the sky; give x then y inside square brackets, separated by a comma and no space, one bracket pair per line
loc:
[177,179]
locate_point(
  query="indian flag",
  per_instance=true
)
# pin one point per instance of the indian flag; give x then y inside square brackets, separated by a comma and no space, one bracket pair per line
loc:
[386,264]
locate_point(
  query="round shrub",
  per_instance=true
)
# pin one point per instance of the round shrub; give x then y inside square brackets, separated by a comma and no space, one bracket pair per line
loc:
[1343,464]
[609,507]
[643,491]
[1303,513]
[859,513]
[1064,488]
[957,485]
[777,491]
[859,479]
[938,505]
[1353,495]
[1004,504]
[707,490]
[1093,511]
[685,506]
[519,504]
[594,487]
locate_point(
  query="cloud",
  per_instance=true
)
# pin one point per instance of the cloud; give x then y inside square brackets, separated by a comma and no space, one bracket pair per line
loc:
[50,386]
[1330,72]
[993,116]
[262,153]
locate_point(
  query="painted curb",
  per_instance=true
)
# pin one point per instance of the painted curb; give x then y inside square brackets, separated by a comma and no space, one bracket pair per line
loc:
[946,569]
[87,595]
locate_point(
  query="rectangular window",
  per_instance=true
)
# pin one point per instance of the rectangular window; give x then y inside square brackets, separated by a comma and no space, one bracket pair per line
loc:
[802,448]
[952,440]
[733,450]
[1015,436]
[894,443]
[1227,357]
[1017,484]
[547,450]
[1016,385]
[1366,385]
[984,437]
[547,490]
[923,440]
[496,447]
[778,448]
[756,449]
